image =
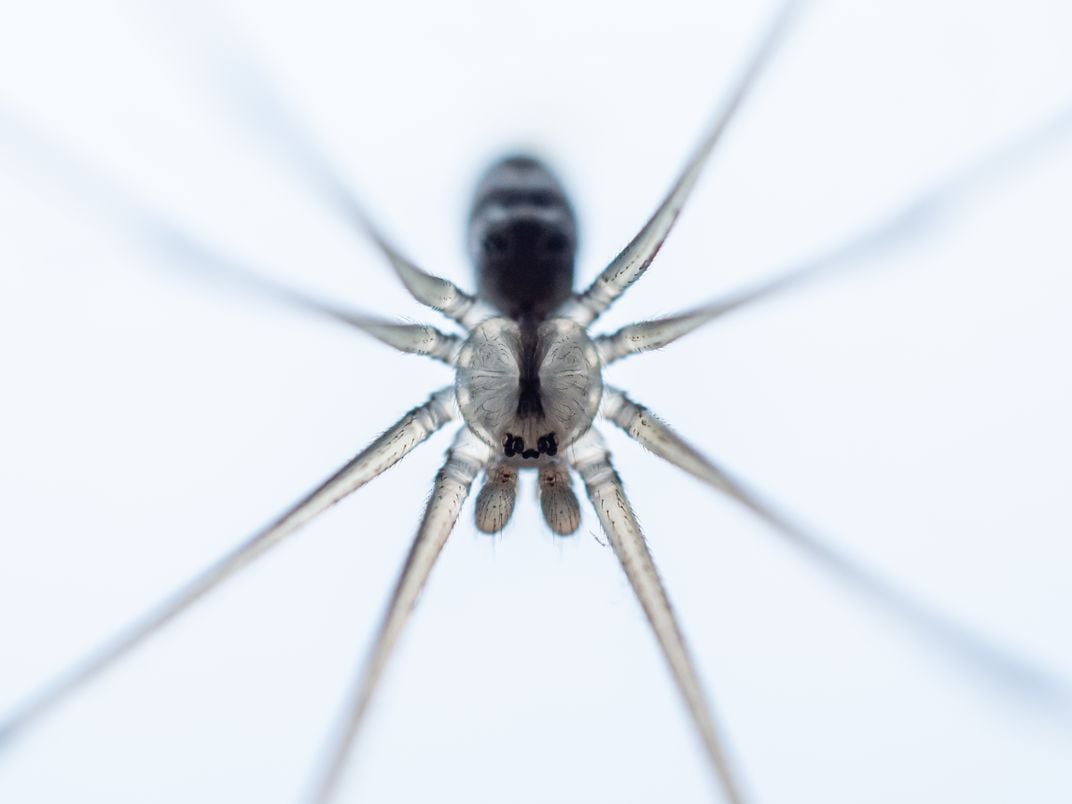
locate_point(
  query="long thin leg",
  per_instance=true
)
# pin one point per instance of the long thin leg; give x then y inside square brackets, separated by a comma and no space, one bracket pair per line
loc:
[183,248]
[383,453]
[972,650]
[591,459]
[178,245]
[913,219]
[635,258]
[417,339]
[251,95]
[466,458]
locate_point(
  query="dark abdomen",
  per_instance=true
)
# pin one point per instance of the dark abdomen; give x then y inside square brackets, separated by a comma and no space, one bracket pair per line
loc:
[522,239]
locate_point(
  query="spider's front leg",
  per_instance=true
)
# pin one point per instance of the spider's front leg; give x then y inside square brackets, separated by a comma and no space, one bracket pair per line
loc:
[591,459]
[466,457]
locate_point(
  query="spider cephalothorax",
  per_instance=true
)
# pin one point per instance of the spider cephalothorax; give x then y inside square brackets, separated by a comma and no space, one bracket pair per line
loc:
[528,391]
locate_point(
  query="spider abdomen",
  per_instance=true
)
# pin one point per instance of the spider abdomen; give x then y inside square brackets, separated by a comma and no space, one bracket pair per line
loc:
[522,239]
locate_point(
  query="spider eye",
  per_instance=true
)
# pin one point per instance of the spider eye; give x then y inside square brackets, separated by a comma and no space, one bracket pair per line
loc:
[495,244]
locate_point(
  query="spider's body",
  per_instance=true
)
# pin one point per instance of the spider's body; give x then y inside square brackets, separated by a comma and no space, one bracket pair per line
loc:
[528,384]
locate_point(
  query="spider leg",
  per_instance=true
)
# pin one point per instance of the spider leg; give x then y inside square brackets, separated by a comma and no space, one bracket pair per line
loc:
[914,219]
[235,71]
[589,456]
[972,650]
[635,258]
[383,453]
[466,457]
[418,339]
[181,247]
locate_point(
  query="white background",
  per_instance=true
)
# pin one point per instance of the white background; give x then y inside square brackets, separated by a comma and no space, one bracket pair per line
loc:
[915,413]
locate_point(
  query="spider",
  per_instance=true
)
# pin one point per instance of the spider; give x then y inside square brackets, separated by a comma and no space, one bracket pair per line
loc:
[528,388]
